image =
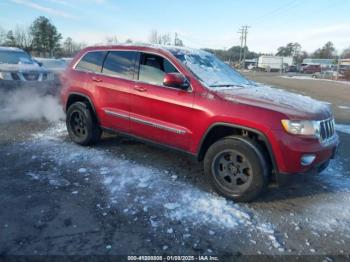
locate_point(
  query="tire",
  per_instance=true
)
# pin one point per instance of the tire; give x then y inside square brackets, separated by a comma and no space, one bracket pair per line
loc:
[82,124]
[237,168]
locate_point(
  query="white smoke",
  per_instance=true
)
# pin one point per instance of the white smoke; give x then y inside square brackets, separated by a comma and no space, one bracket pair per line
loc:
[29,104]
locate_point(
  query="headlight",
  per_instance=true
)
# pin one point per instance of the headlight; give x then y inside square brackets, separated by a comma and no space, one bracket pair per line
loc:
[301,127]
[5,76]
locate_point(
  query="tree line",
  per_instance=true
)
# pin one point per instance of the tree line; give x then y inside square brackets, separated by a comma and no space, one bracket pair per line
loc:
[41,38]
[327,51]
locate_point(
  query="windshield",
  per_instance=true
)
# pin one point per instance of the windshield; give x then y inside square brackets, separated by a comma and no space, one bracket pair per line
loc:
[15,57]
[210,70]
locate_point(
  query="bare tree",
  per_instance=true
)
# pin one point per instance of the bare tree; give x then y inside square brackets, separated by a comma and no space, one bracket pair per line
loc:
[112,40]
[154,38]
[178,41]
[161,39]
[346,53]
[23,37]
[70,47]
[2,36]
[165,39]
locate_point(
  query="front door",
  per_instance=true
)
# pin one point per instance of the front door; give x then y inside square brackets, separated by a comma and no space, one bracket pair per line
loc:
[159,113]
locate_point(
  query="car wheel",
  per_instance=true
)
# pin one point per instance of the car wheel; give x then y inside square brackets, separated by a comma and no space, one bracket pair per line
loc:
[237,168]
[82,124]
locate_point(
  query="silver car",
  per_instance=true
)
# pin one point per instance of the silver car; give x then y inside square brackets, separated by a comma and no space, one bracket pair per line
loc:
[18,69]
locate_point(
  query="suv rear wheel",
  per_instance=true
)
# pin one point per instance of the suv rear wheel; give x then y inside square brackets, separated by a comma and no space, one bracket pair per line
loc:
[82,125]
[237,168]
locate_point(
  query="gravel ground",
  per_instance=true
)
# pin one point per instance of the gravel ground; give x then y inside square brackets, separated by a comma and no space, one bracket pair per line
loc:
[123,197]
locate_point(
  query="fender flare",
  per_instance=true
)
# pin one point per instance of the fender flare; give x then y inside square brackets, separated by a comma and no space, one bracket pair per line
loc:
[82,95]
[258,132]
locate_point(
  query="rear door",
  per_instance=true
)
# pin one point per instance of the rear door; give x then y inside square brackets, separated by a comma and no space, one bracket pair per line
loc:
[85,71]
[159,113]
[113,86]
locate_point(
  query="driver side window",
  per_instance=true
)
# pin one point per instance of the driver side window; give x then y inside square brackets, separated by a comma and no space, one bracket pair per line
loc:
[153,68]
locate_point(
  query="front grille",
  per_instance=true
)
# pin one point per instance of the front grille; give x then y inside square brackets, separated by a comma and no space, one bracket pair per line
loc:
[327,129]
[31,76]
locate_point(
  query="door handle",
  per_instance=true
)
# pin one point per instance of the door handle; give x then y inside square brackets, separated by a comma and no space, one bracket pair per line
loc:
[140,89]
[96,79]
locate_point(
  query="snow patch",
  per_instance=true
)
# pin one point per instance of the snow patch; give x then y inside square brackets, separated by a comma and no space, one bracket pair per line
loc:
[136,189]
[129,182]
[316,79]
[268,97]
[344,107]
[53,178]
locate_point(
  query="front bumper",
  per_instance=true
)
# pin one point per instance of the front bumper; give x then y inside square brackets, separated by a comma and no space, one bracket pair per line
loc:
[289,150]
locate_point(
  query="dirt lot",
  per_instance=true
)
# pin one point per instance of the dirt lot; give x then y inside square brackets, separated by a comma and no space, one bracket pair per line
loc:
[338,94]
[122,197]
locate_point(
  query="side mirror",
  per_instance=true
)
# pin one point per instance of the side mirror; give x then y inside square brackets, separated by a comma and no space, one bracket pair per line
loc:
[176,80]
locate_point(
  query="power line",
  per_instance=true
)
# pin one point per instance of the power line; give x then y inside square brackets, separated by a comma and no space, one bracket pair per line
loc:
[284,6]
[276,12]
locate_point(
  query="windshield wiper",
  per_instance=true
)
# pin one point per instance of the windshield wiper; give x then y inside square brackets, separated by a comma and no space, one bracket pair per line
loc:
[227,85]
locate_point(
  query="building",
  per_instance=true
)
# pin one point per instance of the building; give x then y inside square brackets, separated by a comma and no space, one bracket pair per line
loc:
[324,63]
[345,62]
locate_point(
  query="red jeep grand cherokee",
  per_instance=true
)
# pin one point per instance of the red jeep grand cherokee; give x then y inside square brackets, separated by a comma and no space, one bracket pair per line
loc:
[247,134]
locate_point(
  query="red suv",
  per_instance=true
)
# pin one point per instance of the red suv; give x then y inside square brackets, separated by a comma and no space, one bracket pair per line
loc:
[310,69]
[187,99]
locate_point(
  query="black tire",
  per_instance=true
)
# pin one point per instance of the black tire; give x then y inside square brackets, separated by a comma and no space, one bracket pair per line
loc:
[82,124]
[237,168]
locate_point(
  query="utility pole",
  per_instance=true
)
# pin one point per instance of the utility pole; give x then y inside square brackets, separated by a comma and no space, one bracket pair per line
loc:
[245,44]
[338,67]
[243,31]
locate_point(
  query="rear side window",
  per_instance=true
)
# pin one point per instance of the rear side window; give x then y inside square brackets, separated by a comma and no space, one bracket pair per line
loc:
[120,64]
[92,62]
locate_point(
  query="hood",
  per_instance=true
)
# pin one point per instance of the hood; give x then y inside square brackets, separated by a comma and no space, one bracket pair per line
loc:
[21,67]
[293,105]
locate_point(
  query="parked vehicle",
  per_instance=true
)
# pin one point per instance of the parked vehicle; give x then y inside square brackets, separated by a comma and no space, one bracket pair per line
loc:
[16,64]
[310,69]
[246,134]
[52,64]
[17,69]
[344,68]
[274,63]
[331,75]
[291,69]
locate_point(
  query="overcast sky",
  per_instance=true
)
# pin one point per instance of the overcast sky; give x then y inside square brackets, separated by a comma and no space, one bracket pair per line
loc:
[199,23]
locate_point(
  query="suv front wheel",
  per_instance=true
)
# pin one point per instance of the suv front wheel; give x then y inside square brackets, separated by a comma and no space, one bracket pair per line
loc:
[82,125]
[237,168]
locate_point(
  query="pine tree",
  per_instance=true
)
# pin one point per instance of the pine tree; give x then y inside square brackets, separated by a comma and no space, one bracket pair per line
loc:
[46,39]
